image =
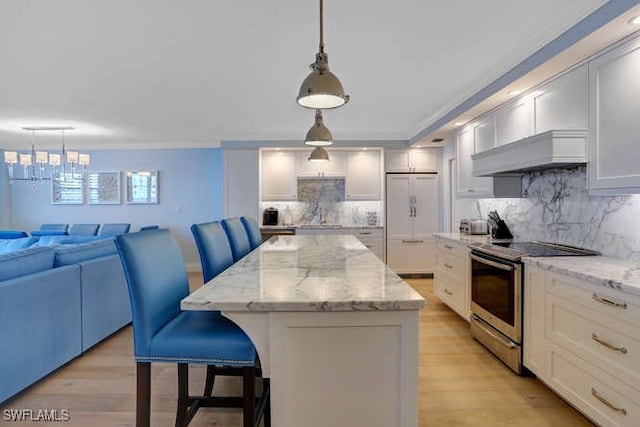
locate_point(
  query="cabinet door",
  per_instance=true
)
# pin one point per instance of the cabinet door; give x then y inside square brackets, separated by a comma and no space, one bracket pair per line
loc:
[279,175]
[426,213]
[335,167]
[423,160]
[513,121]
[241,182]
[614,158]
[562,103]
[399,209]
[304,167]
[469,186]
[397,160]
[485,134]
[534,321]
[363,175]
[411,257]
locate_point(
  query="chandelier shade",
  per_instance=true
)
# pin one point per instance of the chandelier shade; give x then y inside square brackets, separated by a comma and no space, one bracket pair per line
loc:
[318,134]
[319,155]
[321,89]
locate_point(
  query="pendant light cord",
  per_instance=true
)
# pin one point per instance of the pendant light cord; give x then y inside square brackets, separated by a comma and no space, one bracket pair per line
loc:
[321,30]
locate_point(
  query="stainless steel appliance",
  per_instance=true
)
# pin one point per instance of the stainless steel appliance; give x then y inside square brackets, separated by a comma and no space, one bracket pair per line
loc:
[270,216]
[473,226]
[496,293]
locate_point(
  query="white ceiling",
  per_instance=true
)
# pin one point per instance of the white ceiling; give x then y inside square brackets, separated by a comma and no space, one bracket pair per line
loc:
[136,73]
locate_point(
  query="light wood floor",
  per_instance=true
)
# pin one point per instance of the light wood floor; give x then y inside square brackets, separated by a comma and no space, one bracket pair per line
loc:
[461,384]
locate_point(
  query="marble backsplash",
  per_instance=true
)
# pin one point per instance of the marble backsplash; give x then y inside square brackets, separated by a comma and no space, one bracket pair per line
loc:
[558,208]
[347,214]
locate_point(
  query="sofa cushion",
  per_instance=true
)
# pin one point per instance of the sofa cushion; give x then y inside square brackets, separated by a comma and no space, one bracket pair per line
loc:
[49,233]
[12,234]
[25,261]
[10,245]
[66,254]
[65,240]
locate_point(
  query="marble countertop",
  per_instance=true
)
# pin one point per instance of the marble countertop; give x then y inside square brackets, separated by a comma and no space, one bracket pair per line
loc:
[602,271]
[307,273]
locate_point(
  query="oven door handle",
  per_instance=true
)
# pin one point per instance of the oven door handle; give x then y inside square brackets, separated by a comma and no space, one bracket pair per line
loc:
[506,267]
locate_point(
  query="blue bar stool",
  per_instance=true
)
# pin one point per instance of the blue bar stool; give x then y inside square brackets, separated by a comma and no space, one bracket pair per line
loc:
[213,247]
[253,231]
[237,236]
[157,281]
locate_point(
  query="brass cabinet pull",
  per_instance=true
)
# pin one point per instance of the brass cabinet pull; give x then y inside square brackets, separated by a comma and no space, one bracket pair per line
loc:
[365,232]
[599,340]
[595,394]
[448,246]
[412,241]
[448,265]
[609,301]
[447,291]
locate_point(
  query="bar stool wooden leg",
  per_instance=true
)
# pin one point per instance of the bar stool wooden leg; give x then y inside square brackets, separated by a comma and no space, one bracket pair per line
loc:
[143,398]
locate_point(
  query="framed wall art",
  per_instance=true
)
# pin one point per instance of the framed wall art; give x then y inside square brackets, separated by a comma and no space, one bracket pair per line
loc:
[67,189]
[141,187]
[104,188]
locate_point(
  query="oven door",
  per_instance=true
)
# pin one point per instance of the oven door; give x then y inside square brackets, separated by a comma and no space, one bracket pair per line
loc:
[496,293]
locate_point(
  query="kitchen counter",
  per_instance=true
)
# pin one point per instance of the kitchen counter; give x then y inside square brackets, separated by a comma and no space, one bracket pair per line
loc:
[623,276]
[602,271]
[307,273]
[318,226]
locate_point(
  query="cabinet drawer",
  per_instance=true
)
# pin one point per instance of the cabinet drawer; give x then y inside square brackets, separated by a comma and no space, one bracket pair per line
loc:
[603,300]
[455,249]
[454,266]
[609,343]
[452,293]
[598,395]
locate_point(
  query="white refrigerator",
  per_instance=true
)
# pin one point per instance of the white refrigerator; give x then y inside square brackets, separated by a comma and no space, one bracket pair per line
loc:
[412,216]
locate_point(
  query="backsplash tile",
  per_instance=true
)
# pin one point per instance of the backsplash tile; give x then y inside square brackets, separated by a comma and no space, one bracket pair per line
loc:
[558,208]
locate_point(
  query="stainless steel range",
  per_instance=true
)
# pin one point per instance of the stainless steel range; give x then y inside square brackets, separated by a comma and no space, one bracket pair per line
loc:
[496,293]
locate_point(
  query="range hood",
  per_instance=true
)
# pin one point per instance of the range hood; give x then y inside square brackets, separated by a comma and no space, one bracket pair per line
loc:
[552,149]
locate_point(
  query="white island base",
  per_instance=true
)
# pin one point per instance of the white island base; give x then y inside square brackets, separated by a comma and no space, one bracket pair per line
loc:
[338,368]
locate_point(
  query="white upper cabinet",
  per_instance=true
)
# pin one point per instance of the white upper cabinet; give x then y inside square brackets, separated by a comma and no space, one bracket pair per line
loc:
[278,175]
[364,175]
[562,103]
[485,133]
[336,167]
[469,186]
[614,121]
[412,160]
[514,121]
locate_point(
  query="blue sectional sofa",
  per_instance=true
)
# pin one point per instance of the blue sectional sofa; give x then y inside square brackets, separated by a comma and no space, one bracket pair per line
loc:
[56,302]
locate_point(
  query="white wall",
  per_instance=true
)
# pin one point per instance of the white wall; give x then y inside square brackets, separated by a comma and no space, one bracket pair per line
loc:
[190,191]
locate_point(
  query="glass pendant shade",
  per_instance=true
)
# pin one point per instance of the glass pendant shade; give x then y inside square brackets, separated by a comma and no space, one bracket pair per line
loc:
[318,134]
[319,155]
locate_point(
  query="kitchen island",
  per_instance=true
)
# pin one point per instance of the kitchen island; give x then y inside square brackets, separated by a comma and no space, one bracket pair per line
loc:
[336,330]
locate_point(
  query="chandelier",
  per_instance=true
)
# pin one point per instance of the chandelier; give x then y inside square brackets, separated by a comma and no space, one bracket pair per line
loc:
[40,166]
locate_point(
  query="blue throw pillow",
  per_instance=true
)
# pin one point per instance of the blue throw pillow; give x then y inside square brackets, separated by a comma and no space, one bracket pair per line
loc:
[10,245]
[67,254]
[25,261]
[12,234]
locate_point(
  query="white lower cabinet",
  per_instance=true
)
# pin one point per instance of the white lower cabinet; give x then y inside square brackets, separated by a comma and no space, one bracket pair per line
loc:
[583,341]
[451,276]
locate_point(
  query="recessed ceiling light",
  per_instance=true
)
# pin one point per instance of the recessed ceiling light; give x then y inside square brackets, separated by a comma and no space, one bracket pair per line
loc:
[635,20]
[458,123]
[515,92]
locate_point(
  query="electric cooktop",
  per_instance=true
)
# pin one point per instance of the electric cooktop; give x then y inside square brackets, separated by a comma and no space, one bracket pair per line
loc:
[515,250]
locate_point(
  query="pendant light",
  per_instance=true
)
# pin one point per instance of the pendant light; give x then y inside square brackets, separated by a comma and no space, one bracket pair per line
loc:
[318,134]
[321,89]
[319,155]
